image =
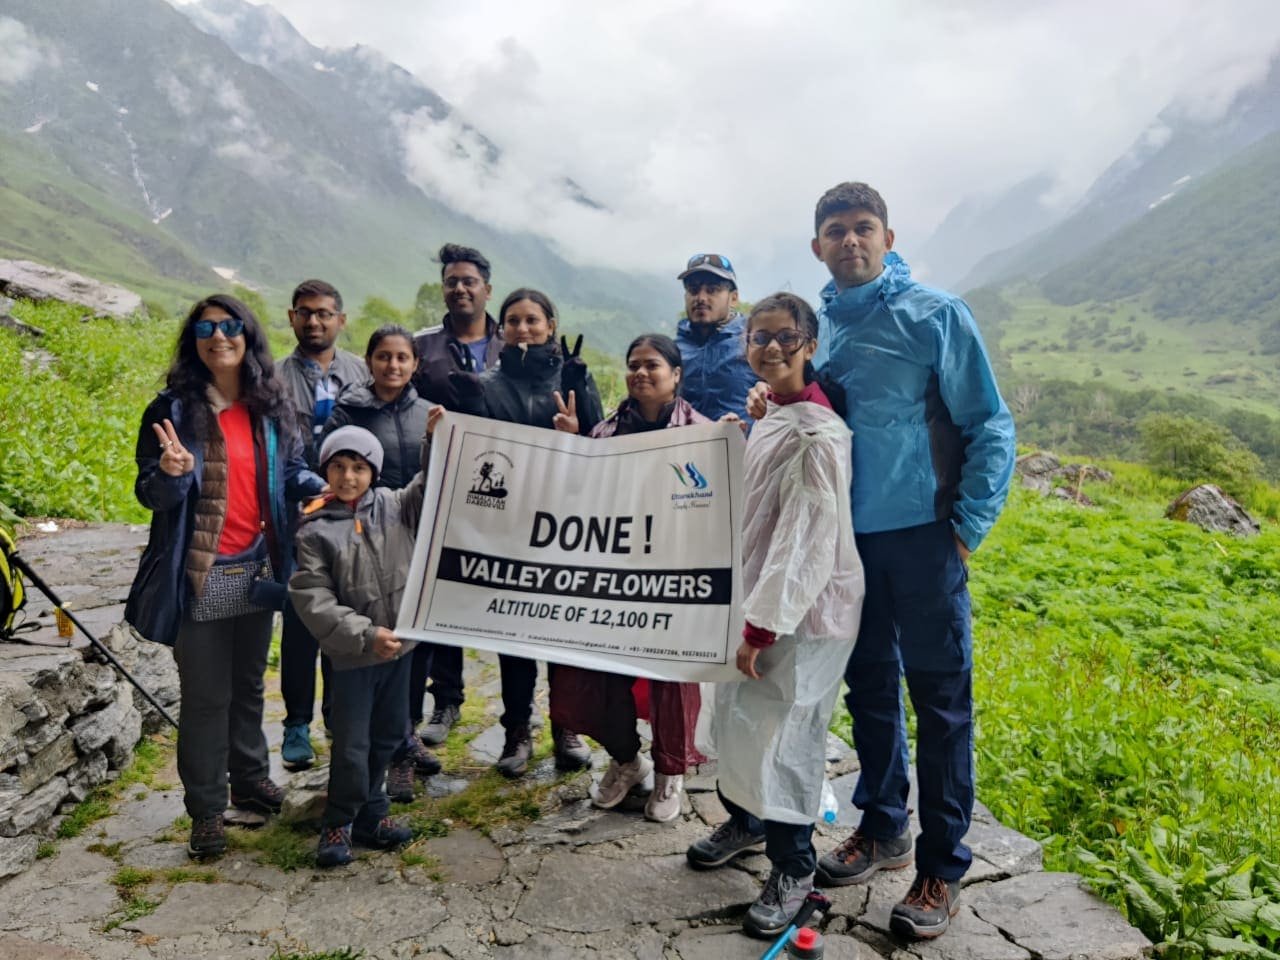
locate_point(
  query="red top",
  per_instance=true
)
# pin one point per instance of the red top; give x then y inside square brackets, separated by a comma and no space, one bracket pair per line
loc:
[812,393]
[244,521]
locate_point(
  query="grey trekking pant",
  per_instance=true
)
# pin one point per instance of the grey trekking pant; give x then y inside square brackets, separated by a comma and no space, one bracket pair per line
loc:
[220,671]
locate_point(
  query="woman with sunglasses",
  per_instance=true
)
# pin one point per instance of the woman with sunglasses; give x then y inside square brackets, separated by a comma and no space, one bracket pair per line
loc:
[219,460]
[601,704]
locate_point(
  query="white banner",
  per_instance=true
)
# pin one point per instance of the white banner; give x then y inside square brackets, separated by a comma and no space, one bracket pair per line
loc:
[621,554]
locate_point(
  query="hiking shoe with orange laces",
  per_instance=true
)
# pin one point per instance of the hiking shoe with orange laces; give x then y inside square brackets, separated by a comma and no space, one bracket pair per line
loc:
[208,838]
[859,857]
[926,911]
[335,847]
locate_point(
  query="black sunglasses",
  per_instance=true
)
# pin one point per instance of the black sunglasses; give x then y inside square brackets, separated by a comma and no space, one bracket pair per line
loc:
[230,327]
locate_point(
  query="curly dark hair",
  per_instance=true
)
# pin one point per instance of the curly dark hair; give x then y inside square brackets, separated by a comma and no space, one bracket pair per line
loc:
[260,387]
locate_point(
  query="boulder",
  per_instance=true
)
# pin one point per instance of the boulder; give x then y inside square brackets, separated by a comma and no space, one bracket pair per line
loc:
[1044,472]
[1209,508]
[36,281]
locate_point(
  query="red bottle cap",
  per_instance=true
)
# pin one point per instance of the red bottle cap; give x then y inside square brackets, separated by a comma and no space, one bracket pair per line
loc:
[806,937]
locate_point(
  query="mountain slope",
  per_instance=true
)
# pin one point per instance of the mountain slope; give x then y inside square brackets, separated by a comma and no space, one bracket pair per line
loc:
[1173,153]
[242,171]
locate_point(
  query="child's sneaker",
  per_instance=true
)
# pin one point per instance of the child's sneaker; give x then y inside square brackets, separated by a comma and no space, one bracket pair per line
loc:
[663,805]
[296,750]
[619,779]
[779,902]
[335,847]
[400,781]
[726,842]
[386,834]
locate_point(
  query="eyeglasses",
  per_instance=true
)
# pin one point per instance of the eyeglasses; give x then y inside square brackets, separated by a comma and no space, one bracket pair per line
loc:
[469,283]
[306,313]
[709,260]
[789,340]
[230,327]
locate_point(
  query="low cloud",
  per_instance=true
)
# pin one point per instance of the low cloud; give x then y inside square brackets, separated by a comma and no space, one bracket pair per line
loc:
[23,53]
[716,127]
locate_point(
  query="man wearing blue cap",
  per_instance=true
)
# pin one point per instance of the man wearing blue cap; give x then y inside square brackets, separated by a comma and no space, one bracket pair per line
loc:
[712,339]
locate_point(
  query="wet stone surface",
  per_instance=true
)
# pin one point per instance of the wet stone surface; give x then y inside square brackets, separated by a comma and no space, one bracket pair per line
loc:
[574,882]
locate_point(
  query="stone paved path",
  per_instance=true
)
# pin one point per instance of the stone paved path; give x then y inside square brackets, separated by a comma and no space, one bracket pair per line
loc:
[572,883]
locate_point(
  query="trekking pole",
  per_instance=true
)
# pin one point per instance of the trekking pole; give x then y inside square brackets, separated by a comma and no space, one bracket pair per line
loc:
[98,645]
[815,902]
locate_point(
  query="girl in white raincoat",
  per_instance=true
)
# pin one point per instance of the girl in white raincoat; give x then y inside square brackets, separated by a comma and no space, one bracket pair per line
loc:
[804,588]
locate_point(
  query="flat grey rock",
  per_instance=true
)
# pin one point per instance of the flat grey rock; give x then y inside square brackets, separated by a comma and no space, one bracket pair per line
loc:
[730,943]
[582,892]
[197,908]
[467,857]
[969,938]
[340,913]
[18,948]
[28,280]
[1054,917]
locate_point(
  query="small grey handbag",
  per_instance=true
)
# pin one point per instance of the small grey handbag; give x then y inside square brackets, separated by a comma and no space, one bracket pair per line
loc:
[229,586]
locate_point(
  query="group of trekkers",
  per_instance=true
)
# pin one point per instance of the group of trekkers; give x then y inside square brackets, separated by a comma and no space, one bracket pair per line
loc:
[879,456]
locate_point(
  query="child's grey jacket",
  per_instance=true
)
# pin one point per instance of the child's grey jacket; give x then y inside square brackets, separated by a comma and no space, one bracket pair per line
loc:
[352,567]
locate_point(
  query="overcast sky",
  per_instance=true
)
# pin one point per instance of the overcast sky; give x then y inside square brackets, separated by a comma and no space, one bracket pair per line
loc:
[716,125]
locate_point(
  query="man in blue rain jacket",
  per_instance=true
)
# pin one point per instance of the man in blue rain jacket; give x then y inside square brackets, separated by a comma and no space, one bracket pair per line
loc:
[712,339]
[933,453]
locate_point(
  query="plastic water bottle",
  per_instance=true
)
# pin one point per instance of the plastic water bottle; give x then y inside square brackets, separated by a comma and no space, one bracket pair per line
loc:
[829,807]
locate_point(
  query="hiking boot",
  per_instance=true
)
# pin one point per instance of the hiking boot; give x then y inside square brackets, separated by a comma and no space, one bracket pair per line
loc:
[779,902]
[296,750]
[425,763]
[663,804]
[516,752]
[926,911]
[571,753]
[208,838]
[263,797]
[618,781]
[386,834]
[441,722]
[726,842]
[859,857]
[335,847]
[400,781]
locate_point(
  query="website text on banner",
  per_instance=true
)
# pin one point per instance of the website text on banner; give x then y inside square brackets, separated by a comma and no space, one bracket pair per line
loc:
[621,554]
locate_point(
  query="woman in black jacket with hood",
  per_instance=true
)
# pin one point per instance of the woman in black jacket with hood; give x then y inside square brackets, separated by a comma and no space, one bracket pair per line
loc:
[542,384]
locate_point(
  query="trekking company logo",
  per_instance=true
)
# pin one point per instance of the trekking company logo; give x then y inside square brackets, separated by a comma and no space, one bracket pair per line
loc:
[694,478]
[696,493]
[489,480]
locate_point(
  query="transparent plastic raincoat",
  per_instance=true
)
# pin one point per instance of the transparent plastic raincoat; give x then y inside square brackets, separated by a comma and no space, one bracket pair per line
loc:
[803,580]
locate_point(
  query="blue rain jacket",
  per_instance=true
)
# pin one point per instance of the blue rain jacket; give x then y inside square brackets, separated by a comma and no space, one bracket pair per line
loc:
[716,373]
[932,437]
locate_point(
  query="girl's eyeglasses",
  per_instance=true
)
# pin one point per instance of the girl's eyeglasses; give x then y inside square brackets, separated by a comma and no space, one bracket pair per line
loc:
[230,327]
[789,340]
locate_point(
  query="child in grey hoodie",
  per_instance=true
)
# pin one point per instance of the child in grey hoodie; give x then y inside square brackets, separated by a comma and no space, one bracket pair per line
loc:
[353,556]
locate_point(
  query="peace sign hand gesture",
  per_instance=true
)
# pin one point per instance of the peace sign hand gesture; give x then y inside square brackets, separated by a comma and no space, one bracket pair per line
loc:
[567,419]
[575,353]
[175,459]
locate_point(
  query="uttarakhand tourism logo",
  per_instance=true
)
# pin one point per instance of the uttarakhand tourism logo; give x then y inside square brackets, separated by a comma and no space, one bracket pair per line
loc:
[489,480]
[694,483]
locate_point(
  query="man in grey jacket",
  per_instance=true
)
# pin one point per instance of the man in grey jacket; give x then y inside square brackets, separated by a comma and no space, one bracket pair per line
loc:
[315,373]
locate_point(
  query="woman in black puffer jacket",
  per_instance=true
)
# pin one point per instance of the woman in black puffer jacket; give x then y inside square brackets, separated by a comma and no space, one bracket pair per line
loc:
[540,384]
